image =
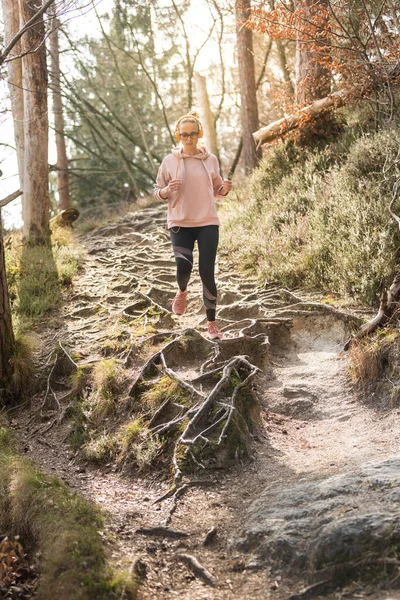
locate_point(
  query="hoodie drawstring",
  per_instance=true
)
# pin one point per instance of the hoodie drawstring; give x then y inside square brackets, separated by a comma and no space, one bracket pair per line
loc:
[178,208]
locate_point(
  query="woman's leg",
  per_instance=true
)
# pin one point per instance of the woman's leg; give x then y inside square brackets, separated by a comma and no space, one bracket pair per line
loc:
[207,239]
[182,245]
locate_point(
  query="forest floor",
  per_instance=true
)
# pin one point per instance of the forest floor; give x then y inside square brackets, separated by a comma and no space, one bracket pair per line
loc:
[314,427]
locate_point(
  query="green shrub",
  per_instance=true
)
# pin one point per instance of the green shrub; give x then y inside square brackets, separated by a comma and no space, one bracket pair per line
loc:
[325,224]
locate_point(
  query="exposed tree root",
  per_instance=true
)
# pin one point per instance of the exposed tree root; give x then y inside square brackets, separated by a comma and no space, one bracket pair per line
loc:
[215,410]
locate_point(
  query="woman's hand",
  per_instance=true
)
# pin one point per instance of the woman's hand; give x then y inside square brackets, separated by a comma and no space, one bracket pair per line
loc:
[174,185]
[226,187]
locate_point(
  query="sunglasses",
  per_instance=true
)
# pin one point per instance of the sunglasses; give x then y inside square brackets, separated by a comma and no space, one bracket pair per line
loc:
[193,135]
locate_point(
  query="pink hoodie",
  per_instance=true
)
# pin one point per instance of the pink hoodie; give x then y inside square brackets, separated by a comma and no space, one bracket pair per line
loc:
[194,204]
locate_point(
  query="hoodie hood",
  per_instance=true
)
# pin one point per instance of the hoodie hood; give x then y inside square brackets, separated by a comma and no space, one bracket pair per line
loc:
[202,153]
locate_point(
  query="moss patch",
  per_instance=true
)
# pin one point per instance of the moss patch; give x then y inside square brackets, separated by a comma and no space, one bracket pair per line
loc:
[59,524]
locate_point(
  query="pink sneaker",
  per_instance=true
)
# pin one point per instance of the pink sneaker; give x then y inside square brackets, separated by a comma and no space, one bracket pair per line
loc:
[213,331]
[179,304]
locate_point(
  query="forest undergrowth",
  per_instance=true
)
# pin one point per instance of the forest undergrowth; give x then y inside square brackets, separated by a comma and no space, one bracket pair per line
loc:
[319,218]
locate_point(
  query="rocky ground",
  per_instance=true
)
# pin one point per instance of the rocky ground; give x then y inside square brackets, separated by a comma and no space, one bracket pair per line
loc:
[314,511]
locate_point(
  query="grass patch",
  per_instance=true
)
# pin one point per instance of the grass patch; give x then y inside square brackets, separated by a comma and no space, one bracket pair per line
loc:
[100,448]
[78,426]
[108,380]
[138,448]
[374,368]
[22,362]
[166,388]
[35,274]
[366,362]
[59,524]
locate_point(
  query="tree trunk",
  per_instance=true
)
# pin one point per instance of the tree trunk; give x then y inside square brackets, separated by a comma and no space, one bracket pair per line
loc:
[248,98]
[6,332]
[11,28]
[285,71]
[313,79]
[34,81]
[62,159]
[206,116]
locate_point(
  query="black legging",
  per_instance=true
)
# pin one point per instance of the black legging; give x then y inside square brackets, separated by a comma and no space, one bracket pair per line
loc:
[183,244]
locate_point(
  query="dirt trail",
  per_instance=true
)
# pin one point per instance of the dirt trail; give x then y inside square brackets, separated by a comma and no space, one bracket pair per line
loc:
[313,426]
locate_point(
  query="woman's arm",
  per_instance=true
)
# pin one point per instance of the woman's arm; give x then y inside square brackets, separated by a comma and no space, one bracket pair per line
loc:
[164,184]
[160,191]
[221,187]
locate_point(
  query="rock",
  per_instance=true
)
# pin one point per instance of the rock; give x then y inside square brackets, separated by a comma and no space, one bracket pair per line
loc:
[295,391]
[294,408]
[331,522]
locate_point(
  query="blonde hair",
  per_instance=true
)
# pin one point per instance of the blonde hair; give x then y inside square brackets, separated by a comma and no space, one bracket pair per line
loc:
[191,117]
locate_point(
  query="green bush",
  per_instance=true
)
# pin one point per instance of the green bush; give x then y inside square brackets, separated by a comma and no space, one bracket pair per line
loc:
[320,218]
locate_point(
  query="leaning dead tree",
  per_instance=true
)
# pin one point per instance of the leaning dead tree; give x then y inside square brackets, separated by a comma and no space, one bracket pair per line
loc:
[308,113]
[318,108]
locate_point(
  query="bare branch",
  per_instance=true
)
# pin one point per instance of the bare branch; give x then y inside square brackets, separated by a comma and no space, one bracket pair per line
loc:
[10,198]
[21,32]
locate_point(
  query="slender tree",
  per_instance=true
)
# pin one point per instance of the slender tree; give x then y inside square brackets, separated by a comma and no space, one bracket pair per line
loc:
[281,51]
[62,158]
[248,97]
[206,115]
[11,29]
[34,81]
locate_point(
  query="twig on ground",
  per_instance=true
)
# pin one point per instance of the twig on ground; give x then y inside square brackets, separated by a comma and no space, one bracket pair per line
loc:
[197,569]
[161,531]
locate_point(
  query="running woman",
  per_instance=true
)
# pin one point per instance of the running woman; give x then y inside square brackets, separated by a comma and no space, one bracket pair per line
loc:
[189,179]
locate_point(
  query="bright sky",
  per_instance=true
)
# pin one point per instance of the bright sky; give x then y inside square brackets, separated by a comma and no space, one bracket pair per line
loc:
[81,21]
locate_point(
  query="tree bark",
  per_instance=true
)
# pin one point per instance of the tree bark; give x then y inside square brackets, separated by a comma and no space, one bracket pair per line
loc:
[206,116]
[6,331]
[34,81]
[64,200]
[248,98]
[11,28]
[313,79]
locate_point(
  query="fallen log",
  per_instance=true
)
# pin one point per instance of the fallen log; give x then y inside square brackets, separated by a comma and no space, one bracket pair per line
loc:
[319,107]
[314,110]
